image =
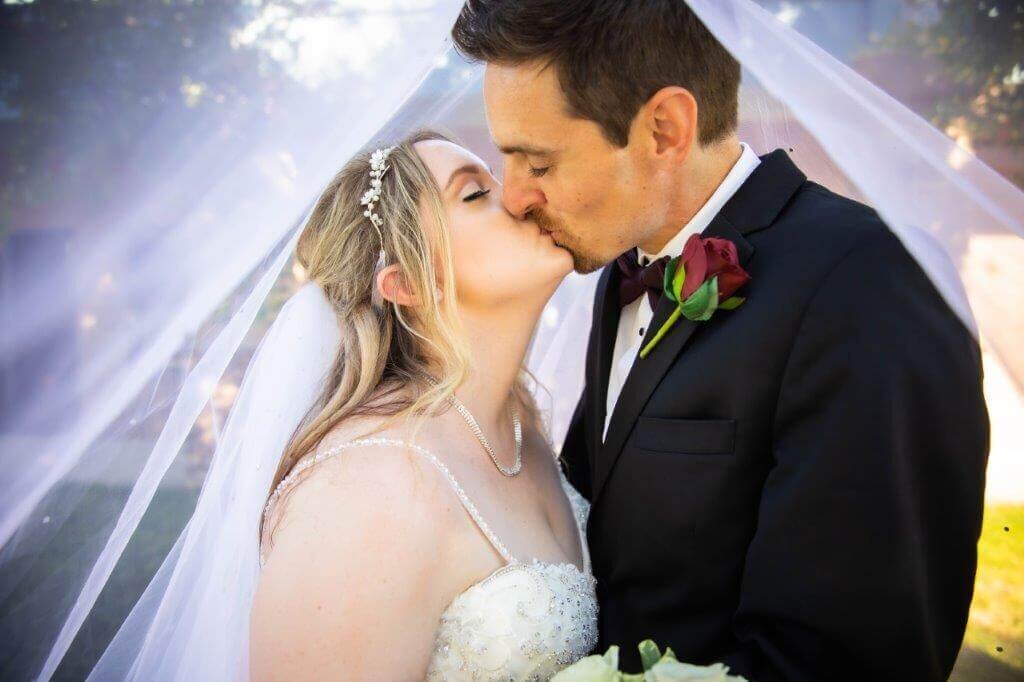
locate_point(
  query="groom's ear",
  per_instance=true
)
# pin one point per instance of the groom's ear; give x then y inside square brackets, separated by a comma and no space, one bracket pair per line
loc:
[669,118]
[393,286]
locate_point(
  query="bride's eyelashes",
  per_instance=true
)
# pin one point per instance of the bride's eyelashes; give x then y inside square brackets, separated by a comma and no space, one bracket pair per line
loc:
[477,194]
[539,172]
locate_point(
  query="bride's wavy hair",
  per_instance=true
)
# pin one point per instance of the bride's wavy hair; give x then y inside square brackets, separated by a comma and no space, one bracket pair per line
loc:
[385,347]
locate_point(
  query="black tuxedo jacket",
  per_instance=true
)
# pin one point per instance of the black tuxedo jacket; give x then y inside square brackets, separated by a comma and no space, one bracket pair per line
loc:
[795,487]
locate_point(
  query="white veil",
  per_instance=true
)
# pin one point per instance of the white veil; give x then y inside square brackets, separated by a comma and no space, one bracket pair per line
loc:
[160,639]
[128,515]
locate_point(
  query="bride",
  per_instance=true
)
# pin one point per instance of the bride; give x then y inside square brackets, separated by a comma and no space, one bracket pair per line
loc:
[420,512]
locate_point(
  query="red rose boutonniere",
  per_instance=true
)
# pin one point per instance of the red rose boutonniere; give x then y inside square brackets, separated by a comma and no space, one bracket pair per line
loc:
[700,281]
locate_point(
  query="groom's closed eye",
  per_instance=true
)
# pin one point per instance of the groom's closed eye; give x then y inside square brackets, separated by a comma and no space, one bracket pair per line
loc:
[538,159]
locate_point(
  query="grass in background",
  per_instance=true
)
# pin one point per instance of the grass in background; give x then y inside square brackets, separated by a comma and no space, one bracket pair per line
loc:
[993,648]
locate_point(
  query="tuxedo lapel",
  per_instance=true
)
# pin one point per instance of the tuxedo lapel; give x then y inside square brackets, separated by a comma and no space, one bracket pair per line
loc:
[602,346]
[755,206]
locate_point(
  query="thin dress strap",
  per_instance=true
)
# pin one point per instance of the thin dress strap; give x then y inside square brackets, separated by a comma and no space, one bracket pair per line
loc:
[363,442]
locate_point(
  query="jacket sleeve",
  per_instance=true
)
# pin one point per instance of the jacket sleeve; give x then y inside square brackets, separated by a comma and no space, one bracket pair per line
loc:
[863,562]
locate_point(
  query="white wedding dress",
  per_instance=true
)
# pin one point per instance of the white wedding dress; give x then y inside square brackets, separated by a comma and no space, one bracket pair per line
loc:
[525,621]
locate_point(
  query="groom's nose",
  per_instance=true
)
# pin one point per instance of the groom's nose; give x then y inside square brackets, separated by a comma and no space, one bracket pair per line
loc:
[520,195]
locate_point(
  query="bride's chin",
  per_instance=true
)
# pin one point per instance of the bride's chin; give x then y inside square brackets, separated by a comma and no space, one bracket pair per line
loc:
[558,254]
[548,271]
[568,264]
[562,266]
[557,263]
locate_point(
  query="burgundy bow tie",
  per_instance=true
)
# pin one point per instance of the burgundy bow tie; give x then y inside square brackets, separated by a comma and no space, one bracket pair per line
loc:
[637,279]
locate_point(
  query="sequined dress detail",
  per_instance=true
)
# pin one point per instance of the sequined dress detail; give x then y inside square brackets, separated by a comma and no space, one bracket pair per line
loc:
[525,621]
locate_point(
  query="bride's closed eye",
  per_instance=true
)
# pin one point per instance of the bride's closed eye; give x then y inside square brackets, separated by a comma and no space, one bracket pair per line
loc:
[477,194]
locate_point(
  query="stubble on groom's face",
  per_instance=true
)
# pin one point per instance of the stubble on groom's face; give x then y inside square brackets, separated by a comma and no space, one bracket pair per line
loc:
[583,261]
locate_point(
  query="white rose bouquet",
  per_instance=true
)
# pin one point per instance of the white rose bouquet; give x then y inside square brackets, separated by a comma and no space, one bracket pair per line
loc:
[658,667]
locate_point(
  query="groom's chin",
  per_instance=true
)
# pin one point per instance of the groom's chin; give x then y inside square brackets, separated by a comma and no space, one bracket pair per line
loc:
[584,264]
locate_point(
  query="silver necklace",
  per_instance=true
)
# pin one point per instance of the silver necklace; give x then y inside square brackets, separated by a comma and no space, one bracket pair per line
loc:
[517,430]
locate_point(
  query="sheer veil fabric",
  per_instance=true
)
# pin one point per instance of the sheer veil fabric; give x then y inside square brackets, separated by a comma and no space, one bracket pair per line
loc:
[301,344]
[93,470]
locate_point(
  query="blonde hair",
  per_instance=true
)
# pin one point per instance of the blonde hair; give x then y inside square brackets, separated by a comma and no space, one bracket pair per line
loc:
[385,347]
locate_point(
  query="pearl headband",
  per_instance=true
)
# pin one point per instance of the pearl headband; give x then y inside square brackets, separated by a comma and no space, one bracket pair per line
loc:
[378,167]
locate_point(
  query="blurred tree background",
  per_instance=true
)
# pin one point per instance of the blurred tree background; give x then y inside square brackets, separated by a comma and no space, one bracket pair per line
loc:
[972,56]
[79,90]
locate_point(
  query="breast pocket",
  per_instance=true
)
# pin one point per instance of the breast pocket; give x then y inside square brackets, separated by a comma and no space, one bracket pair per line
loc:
[686,436]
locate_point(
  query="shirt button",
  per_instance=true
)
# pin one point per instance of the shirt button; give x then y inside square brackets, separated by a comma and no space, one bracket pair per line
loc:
[641,331]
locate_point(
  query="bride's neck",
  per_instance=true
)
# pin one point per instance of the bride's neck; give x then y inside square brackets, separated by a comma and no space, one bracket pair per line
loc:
[498,340]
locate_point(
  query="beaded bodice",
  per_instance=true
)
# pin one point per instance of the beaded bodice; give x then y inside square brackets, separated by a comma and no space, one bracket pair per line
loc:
[525,621]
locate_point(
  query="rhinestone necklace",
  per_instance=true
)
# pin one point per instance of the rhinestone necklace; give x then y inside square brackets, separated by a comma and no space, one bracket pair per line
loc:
[517,430]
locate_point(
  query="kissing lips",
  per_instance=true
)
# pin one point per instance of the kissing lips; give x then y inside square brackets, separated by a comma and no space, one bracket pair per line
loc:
[545,226]
[549,233]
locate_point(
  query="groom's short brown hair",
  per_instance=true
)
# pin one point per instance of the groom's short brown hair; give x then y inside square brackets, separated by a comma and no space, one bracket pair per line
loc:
[611,56]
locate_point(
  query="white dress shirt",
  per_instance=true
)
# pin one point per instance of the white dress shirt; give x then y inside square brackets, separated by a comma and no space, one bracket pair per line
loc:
[636,316]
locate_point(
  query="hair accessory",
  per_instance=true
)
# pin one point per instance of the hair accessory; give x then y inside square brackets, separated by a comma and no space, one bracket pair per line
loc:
[378,168]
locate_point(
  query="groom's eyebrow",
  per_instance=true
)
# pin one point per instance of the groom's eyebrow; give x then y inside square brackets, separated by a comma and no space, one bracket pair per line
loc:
[527,149]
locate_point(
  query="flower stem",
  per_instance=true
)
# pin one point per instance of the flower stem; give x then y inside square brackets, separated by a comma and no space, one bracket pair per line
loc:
[661,332]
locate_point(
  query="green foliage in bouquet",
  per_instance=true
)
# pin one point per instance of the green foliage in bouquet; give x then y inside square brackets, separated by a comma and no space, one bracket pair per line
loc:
[658,667]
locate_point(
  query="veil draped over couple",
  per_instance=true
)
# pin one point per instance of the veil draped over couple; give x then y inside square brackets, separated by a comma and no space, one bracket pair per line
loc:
[774,451]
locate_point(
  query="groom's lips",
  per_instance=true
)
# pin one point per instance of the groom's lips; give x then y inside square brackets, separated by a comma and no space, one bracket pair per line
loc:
[542,224]
[551,234]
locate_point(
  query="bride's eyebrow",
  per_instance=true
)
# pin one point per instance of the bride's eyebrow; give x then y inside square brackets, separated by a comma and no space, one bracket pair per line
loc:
[469,168]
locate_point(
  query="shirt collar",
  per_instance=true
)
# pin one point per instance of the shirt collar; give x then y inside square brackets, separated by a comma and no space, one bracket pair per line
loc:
[741,170]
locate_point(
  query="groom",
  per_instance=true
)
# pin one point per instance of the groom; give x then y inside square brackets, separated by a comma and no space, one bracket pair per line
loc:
[793,487]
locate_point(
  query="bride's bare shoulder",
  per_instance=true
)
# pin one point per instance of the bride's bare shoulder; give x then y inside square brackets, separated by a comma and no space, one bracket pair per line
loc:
[355,550]
[353,481]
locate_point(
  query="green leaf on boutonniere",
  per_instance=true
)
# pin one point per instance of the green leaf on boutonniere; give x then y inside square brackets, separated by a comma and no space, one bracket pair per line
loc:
[675,275]
[699,307]
[703,303]
[731,303]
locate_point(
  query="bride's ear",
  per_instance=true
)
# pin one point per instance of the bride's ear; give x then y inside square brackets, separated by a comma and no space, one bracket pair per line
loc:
[392,286]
